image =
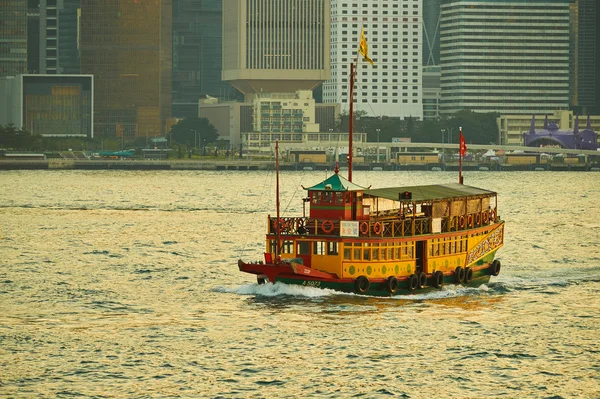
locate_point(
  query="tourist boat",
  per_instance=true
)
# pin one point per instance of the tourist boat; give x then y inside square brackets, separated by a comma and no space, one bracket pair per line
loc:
[383,241]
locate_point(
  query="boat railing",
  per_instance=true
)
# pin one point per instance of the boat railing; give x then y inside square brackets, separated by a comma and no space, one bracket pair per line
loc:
[380,227]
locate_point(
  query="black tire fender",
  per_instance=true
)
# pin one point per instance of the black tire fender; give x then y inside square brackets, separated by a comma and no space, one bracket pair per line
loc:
[361,285]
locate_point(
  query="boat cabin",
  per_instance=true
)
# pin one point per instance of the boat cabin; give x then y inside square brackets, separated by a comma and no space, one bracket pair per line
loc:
[337,199]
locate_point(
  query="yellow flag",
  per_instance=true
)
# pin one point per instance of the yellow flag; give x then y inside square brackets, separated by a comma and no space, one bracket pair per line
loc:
[364,49]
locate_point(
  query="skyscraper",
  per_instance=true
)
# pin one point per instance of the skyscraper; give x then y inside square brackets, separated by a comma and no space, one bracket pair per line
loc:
[126,45]
[53,36]
[13,37]
[584,60]
[431,32]
[197,55]
[275,45]
[393,30]
[505,56]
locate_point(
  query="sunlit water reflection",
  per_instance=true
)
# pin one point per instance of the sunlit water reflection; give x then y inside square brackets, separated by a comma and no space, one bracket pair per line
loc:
[125,284]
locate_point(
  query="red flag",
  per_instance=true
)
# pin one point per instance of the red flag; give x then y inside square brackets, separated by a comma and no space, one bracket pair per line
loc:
[463,145]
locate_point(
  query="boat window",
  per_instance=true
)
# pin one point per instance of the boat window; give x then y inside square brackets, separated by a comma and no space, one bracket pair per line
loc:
[315,197]
[347,253]
[357,252]
[287,247]
[332,248]
[273,246]
[375,252]
[326,197]
[339,198]
[390,253]
[397,253]
[303,248]
[367,254]
[319,248]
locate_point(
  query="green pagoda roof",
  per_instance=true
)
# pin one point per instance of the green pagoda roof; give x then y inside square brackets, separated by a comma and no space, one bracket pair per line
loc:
[435,192]
[335,182]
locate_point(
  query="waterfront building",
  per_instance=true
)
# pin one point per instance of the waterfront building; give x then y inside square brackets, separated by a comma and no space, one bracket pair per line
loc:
[127,46]
[13,37]
[504,56]
[552,136]
[512,126]
[393,31]
[270,116]
[197,55]
[49,105]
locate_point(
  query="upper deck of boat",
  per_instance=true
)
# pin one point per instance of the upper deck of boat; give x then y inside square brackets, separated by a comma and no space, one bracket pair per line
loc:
[427,193]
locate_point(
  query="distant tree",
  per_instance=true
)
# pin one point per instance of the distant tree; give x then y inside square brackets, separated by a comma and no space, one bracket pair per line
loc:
[17,139]
[477,127]
[190,131]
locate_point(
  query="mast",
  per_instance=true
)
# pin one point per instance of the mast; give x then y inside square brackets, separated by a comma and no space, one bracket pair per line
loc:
[462,151]
[277,222]
[350,122]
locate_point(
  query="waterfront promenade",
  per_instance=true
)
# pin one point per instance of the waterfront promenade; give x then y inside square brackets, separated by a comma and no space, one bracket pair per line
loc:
[262,164]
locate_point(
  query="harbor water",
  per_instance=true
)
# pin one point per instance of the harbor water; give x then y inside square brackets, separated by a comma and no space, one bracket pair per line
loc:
[123,284]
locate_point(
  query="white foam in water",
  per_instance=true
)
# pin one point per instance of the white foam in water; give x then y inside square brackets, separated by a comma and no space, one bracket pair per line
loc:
[278,288]
[272,290]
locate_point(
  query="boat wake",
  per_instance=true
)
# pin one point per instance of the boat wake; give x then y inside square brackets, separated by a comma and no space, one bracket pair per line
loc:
[281,289]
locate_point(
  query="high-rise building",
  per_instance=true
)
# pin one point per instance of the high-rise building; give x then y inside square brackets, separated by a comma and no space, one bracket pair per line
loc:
[275,45]
[53,42]
[13,37]
[504,56]
[431,32]
[393,31]
[197,55]
[584,59]
[126,45]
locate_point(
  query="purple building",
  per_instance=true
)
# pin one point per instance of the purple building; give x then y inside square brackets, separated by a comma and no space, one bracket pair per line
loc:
[552,136]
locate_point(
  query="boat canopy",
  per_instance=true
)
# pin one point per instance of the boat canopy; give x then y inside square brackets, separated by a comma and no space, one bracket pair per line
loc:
[435,192]
[335,183]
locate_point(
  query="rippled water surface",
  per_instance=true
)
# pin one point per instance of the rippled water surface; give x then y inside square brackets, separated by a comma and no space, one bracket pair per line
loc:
[119,284]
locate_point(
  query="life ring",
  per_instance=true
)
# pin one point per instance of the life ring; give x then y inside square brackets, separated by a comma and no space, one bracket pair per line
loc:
[438,279]
[493,215]
[391,284]
[495,268]
[280,225]
[364,228]
[470,220]
[377,228]
[422,280]
[459,275]
[468,275]
[478,218]
[413,282]
[486,218]
[361,285]
[327,226]
[461,222]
